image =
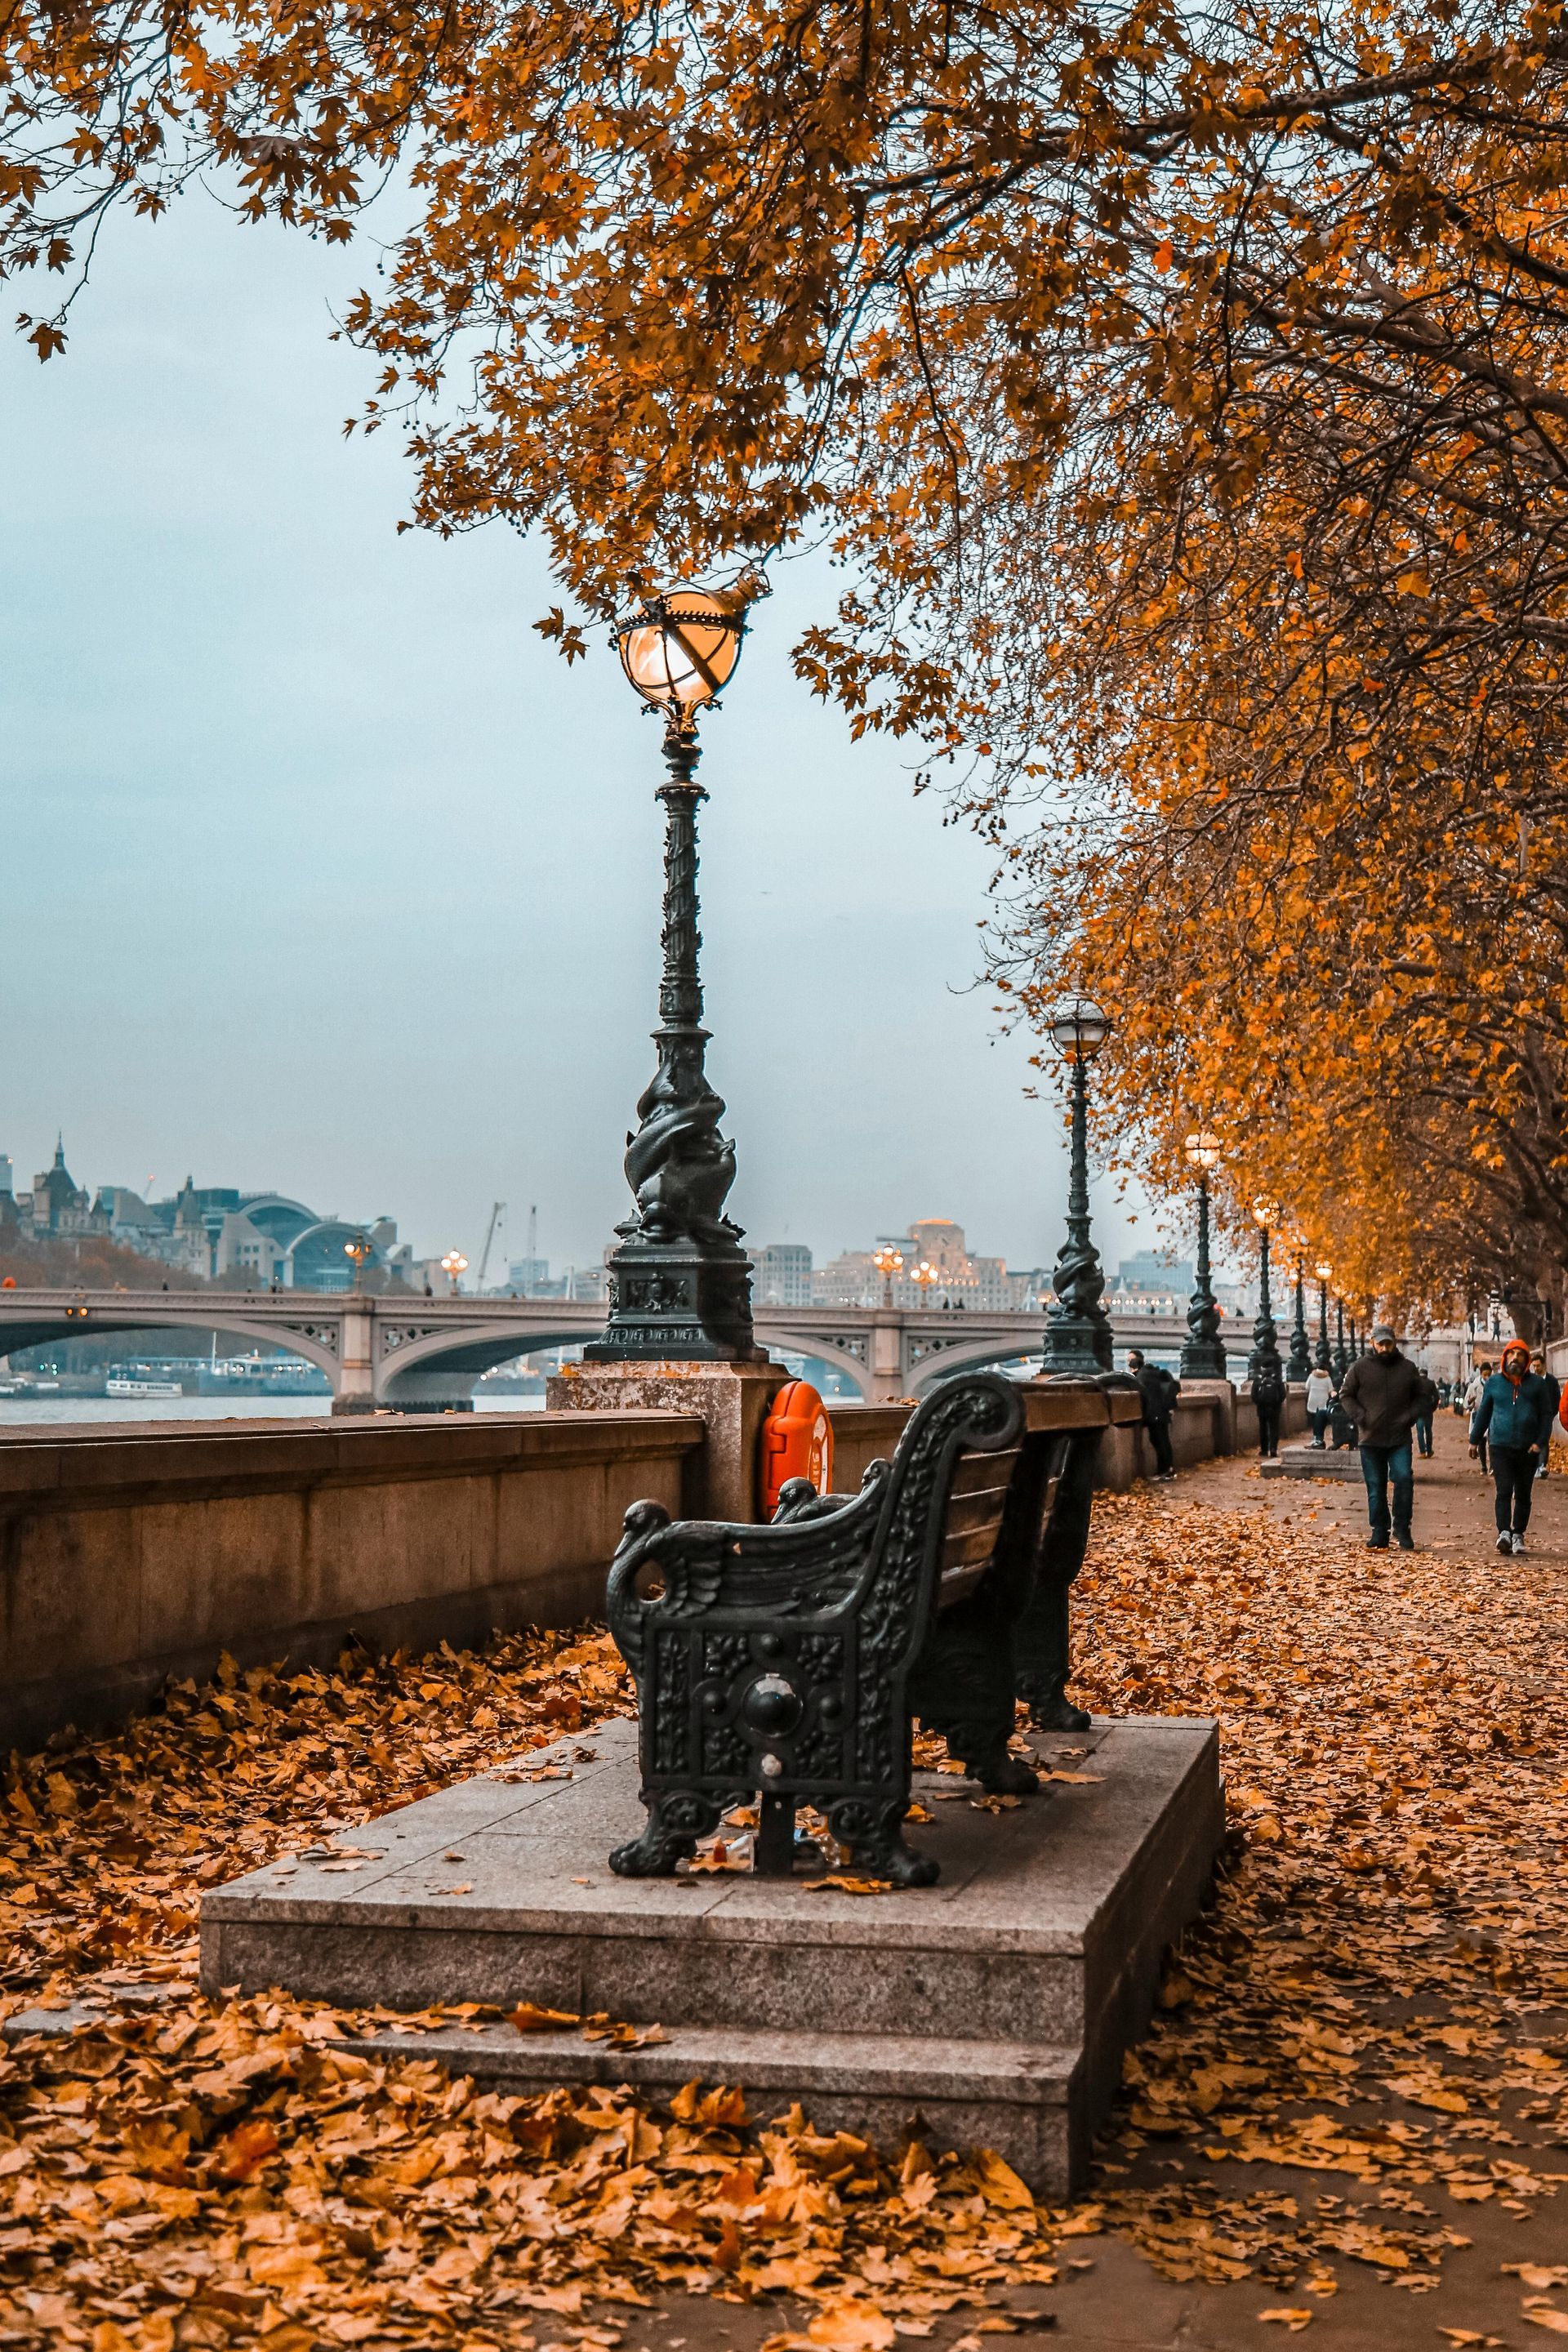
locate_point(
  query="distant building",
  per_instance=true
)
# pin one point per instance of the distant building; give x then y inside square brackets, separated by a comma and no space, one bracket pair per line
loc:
[58,1204]
[1151,1269]
[527,1275]
[781,1274]
[982,1283]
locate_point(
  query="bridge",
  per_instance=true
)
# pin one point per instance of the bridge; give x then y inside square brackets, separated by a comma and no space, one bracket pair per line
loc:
[421,1354]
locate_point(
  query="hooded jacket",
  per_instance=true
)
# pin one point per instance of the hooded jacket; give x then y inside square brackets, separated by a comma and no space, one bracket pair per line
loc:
[1382,1395]
[1513,1414]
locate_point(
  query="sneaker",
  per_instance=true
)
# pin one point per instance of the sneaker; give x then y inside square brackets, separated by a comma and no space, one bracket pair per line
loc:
[1404,1538]
[1505,1543]
[1516,1545]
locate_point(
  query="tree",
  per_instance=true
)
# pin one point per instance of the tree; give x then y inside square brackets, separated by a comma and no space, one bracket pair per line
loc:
[1184,397]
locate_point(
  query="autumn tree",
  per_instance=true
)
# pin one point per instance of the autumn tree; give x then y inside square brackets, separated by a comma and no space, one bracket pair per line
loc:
[1183,395]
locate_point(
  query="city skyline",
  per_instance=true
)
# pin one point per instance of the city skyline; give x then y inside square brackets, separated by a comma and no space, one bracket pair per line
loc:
[135,1216]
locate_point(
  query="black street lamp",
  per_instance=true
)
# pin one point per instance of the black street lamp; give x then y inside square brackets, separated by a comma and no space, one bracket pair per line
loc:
[1264,1360]
[1342,1362]
[1300,1367]
[1203,1354]
[680,1282]
[1078,1329]
[1322,1359]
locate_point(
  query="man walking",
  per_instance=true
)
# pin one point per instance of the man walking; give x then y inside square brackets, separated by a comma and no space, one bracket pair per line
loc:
[1515,1413]
[1381,1394]
[1267,1389]
[1554,1395]
[1159,1390]
[1430,1401]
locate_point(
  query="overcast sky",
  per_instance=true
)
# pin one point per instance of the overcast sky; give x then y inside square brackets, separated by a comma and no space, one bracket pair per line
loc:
[322,873]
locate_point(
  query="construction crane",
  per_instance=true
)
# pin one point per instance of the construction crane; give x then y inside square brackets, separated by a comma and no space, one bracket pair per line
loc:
[497,1214]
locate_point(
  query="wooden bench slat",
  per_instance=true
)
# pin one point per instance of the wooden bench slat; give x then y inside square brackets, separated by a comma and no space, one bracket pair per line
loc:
[973,1543]
[972,1471]
[966,1511]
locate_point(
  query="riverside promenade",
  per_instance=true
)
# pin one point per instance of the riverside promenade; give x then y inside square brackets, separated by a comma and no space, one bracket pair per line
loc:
[1350,2119]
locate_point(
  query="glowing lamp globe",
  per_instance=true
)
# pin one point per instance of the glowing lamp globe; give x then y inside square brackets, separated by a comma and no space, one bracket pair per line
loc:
[680,648]
[1077,1028]
[1204,1149]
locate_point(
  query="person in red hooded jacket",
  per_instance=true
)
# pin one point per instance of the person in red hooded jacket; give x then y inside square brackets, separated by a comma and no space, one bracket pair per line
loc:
[1515,1413]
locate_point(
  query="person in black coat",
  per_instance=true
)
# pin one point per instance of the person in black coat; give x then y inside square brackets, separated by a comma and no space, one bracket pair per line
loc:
[1159,1390]
[1267,1389]
[1381,1394]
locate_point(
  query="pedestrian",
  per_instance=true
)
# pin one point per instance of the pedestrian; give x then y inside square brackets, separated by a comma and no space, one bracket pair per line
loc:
[1267,1389]
[1515,1413]
[1159,1390]
[1382,1395]
[1320,1398]
[1555,1390]
[1431,1398]
[1474,1390]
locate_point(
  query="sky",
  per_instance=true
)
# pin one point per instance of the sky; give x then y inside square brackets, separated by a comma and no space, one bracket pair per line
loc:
[324,874]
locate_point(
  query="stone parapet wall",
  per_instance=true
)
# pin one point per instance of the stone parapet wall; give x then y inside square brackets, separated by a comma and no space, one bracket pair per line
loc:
[130,1554]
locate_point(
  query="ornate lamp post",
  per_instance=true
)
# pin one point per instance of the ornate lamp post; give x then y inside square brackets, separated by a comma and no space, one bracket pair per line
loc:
[1078,1328]
[680,1282]
[1265,1355]
[1300,1367]
[1203,1356]
[1342,1362]
[454,1266]
[924,1275]
[361,1250]
[888,1263]
[1321,1356]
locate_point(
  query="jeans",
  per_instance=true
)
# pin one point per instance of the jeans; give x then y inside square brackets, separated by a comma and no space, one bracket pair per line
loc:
[1268,1429]
[1379,1463]
[1424,1434]
[1319,1420]
[1160,1439]
[1513,1482]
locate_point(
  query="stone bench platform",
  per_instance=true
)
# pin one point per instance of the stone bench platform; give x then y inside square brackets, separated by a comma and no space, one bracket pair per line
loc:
[1314,1462]
[994,2007]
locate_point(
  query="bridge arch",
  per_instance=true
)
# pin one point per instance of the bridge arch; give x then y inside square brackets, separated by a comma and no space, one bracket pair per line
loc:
[965,1356]
[475,1349]
[40,1332]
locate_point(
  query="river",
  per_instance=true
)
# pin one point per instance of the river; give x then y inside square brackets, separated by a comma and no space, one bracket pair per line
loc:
[40,1412]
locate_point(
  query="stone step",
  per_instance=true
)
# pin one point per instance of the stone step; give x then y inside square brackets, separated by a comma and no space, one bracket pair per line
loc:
[1013,2096]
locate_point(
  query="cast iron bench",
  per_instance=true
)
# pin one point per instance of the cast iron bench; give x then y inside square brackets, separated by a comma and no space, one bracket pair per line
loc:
[788,1661]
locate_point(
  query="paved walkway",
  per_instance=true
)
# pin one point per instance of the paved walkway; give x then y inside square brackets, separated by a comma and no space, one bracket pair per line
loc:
[1110,2295]
[1453,1498]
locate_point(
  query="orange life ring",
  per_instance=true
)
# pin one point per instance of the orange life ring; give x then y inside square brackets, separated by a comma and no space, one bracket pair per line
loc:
[797,1442]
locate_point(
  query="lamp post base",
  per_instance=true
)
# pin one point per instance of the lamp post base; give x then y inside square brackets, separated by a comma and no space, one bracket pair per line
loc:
[672,1300]
[1078,1346]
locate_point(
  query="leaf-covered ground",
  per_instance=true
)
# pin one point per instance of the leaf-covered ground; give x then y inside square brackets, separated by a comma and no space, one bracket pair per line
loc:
[1362,2042]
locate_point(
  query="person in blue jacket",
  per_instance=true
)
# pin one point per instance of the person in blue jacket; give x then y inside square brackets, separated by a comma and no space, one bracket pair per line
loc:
[1514,1413]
